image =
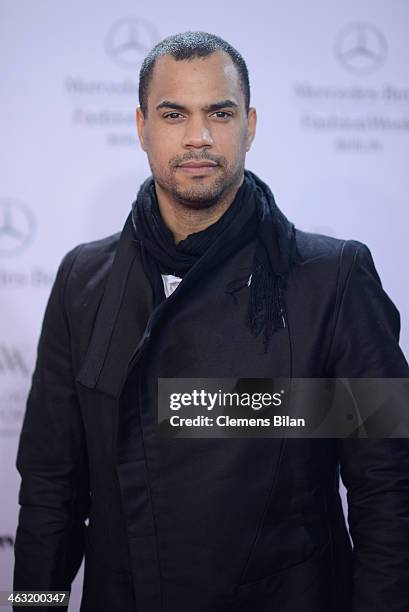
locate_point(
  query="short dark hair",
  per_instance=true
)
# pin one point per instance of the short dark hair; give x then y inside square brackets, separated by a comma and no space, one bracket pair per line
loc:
[185,46]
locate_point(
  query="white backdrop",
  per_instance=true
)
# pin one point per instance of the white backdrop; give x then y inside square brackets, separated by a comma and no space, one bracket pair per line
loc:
[331,86]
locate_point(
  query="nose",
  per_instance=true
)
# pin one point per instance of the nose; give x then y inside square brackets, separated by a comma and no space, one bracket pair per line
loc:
[197,133]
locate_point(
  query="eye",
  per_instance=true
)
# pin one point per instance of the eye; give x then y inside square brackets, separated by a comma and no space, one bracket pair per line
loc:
[173,115]
[223,114]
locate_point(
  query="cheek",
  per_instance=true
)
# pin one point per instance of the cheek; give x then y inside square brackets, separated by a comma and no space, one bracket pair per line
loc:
[232,139]
[159,156]
[161,146]
[234,151]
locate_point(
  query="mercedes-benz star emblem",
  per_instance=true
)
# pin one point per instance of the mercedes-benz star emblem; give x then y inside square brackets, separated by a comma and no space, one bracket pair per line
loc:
[16,226]
[361,48]
[129,40]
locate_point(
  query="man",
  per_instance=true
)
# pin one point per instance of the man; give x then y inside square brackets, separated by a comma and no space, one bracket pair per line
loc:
[208,279]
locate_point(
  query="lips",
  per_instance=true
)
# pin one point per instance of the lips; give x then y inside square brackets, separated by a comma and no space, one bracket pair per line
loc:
[198,168]
[198,164]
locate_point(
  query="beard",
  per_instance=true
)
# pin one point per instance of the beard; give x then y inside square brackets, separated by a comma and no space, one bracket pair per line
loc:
[201,192]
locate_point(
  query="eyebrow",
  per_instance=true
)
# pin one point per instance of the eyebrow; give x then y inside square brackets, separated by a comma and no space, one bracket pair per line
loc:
[209,108]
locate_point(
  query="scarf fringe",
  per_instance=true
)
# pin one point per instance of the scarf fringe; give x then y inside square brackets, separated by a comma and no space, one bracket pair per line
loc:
[265,308]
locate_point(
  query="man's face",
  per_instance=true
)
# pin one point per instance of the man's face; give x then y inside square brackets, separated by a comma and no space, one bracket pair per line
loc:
[197,131]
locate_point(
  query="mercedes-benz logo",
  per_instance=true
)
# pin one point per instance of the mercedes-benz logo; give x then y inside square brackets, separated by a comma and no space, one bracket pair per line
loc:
[361,48]
[129,40]
[16,226]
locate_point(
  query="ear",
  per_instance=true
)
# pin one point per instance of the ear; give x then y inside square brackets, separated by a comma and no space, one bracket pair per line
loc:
[140,124]
[251,126]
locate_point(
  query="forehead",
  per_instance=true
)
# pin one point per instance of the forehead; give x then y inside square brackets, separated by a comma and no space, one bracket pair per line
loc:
[205,79]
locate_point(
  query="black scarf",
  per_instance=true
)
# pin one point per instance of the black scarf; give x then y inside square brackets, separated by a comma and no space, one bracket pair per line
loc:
[252,213]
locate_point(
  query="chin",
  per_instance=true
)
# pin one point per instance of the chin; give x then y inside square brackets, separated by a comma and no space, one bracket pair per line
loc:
[200,193]
[198,198]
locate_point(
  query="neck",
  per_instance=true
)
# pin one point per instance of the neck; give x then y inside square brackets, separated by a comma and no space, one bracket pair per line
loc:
[183,220]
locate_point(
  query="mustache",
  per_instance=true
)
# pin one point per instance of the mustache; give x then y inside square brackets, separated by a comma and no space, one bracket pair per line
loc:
[180,159]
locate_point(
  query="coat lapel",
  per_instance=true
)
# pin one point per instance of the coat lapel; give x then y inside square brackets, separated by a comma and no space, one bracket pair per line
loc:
[121,319]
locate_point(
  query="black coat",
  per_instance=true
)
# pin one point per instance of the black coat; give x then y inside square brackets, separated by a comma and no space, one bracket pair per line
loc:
[208,525]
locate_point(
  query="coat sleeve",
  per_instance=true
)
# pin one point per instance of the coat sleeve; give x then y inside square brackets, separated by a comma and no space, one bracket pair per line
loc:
[375,471]
[52,460]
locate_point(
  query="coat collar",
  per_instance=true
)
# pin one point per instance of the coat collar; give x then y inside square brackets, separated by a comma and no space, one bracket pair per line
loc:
[121,319]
